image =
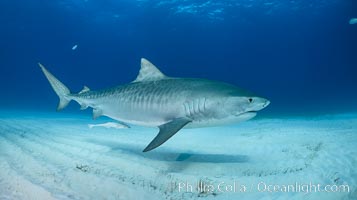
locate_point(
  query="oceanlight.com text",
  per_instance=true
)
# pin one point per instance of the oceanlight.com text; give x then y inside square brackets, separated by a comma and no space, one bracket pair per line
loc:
[303,188]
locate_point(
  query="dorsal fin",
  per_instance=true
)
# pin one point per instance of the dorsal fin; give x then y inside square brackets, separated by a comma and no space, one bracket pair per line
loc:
[149,72]
[85,89]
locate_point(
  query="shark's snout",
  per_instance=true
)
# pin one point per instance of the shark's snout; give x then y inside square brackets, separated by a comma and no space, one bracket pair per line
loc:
[266,103]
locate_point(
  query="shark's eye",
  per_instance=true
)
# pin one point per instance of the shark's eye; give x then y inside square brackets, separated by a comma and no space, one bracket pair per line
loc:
[250,100]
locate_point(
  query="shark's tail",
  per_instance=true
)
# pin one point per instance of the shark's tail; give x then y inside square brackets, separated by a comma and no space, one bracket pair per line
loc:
[61,90]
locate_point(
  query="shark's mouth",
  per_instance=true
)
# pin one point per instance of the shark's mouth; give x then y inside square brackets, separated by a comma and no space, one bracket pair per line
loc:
[248,114]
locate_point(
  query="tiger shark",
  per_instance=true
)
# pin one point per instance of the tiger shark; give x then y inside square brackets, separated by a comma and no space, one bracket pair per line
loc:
[156,100]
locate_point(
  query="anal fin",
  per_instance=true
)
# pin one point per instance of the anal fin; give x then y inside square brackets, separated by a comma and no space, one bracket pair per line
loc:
[97,113]
[166,132]
[83,106]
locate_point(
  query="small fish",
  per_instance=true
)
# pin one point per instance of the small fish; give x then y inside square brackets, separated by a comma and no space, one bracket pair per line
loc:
[353,21]
[74,47]
[109,125]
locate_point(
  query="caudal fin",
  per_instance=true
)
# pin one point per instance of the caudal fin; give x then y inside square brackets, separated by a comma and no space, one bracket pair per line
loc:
[61,90]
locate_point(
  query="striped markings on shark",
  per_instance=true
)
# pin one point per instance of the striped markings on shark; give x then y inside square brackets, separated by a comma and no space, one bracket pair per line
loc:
[156,100]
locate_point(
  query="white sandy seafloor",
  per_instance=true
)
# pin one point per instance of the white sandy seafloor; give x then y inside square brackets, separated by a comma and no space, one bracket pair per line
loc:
[56,156]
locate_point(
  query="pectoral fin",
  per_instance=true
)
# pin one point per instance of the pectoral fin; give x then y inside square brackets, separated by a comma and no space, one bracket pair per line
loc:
[166,132]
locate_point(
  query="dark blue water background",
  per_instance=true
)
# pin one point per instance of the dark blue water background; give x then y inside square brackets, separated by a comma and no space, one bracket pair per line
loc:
[302,55]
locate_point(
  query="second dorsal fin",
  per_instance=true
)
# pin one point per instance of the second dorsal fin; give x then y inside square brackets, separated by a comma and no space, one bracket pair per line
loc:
[149,72]
[85,89]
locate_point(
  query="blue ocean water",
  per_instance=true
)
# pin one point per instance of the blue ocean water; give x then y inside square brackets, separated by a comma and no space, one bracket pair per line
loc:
[299,54]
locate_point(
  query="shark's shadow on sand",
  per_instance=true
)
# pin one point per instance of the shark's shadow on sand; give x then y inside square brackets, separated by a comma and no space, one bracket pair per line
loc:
[195,157]
[177,161]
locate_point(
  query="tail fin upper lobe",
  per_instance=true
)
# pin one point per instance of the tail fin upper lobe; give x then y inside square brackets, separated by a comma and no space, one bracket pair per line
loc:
[61,90]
